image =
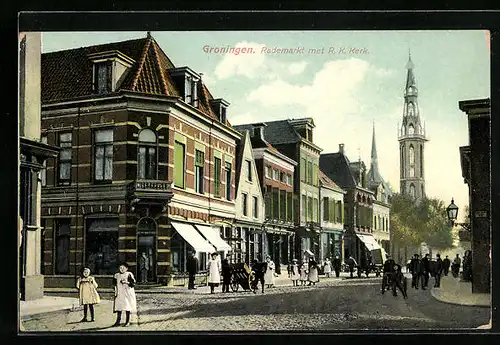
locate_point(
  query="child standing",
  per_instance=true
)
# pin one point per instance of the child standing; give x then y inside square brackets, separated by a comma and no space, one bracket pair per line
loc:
[125,300]
[87,288]
[294,272]
[303,273]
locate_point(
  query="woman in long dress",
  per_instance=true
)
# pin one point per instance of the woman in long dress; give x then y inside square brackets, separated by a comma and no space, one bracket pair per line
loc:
[313,271]
[327,267]
[125,300]
[214,269]
[269,275]
[87,290]
[303,273]
[294,273]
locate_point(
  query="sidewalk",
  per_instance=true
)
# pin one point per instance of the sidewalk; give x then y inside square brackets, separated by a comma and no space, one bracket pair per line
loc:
[454,291]
[47,304]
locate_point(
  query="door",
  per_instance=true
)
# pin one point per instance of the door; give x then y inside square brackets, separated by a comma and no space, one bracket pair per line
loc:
[146,250]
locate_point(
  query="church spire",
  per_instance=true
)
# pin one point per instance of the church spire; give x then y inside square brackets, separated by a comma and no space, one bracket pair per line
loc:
[374,176]
[374,147]
[410,77]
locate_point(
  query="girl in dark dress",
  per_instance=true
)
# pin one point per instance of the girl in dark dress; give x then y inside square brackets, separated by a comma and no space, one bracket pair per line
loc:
[227,272]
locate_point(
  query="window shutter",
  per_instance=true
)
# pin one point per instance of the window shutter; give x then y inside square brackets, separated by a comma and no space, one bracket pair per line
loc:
[109,79]
[341,206]
[179,165]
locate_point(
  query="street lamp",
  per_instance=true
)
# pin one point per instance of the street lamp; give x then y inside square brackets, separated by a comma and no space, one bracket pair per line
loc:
[452,211]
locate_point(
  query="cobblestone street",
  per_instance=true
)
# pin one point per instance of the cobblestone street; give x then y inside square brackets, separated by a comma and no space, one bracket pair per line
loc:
[333,304]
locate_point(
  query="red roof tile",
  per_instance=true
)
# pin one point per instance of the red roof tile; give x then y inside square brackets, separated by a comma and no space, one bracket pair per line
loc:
[327,182]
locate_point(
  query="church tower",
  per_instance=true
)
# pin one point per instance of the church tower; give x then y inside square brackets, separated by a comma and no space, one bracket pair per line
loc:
[412,140]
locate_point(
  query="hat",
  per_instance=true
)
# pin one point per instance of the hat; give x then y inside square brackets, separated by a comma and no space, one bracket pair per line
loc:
[123,264]
[294,260]
[215,253]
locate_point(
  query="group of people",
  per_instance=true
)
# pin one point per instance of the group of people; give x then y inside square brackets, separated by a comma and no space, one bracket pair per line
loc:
[466,266]
[124,301]
[393,278]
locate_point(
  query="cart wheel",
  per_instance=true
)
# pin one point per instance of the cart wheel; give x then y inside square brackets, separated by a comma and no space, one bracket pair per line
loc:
[235,285]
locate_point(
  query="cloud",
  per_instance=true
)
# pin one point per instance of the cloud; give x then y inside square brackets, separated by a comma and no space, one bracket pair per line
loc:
[297,67]
[248,65]
[383,72]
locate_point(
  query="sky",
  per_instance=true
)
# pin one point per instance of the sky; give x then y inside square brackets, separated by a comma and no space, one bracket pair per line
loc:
[347,81]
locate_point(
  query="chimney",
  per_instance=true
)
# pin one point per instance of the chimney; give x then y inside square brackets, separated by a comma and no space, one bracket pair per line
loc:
[341,148]
[258,130]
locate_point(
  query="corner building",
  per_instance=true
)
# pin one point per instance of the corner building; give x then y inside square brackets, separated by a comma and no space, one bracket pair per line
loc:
[147,163]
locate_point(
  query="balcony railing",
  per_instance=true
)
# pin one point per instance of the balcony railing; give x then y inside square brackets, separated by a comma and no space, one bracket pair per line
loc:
[150,190]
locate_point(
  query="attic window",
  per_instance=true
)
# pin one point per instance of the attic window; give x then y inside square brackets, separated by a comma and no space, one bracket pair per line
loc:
[102,76]
[222,115]
[191,91]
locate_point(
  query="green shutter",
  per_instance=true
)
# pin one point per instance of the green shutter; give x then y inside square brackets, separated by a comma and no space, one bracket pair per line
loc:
[332,210]
[179,164]
[217,172]
[341,205]
[303,169]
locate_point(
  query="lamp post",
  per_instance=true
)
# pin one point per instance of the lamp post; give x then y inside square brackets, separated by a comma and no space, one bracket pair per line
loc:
[452,211]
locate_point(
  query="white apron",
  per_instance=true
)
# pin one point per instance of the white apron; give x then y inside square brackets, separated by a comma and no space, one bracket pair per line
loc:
[313,275]
[269,275]
[214,272]
[327,268]
[303,273]
[295,272]
[87,288]
[125,295]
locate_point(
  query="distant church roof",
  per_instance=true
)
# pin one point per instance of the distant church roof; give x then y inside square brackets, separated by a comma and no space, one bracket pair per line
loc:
[374,179]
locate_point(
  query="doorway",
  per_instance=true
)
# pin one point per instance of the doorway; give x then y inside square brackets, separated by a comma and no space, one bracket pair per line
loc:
[146,250]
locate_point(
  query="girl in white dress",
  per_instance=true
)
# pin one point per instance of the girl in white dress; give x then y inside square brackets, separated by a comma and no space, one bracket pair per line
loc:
[125,300]
[313,271]
[87,290]
[327,267]
[269,275]
[214,269]
[294,273]
[303,273]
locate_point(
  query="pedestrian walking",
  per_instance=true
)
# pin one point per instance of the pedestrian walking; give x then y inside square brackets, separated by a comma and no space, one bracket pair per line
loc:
[303,273]
[336,266]
[327,267]
[213,271]
[259,270]
[446,265]
[425,263]
[270,271]
[415,271]
[455,267]
[351,263]
[388,272]
[227,272]
[399,281]
[467,266]
[438,271]
[294,273]
[87,291]
[144,267]
[125,299]
[313,276]
[192,268]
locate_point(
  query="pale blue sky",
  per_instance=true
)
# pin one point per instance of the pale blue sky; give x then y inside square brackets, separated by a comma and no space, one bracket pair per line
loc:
[343,93]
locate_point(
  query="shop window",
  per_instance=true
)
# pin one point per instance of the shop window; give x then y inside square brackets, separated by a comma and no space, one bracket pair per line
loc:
[63,240]
[102,245]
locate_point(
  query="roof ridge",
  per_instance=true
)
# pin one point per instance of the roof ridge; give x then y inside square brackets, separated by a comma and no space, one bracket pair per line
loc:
[92,46]
[142,60]
[162,75]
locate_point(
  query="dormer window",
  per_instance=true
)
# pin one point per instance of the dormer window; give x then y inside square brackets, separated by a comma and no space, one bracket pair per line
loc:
[109,69]
[188,80]
[220,108]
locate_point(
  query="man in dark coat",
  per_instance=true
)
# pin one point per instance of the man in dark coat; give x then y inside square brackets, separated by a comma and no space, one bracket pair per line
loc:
[351,263]
[426,269]
[227,272]
[192,268]
[336,266]
[259,269]
[446,265]
[399,281]
[415,271]
[388,270]
[438,271]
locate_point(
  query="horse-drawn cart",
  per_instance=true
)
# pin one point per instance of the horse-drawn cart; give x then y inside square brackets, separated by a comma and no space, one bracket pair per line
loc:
[242,276]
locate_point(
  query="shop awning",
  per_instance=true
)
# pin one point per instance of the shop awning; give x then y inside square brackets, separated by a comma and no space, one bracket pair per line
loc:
[193,237]
[212,235]
[369,241]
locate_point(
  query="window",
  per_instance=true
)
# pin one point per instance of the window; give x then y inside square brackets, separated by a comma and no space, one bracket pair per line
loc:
[103,76]
[386,224]
[375,222]
[228,180]
[282,195]
[268,202]
[309,208]
[412,191]
[255,207]
[309,172]
[422,164]
[188,89]
[276,203]
[282,177]
[402,163]
[103,159]
[326,209]
[268,171]
[102,245]
[411,129]
[315,174]
[276,175]
[303,169]
[146,160]
[315,210]
[412,161]
[339,212]
[289,207]
[217,167]
[179,164]
[63,235]
[199,163]
[222,116]
[331,210]
[194,92]
[304,207]
[244,203]
[249,170]
[43,172]
[65,155]
[289,179]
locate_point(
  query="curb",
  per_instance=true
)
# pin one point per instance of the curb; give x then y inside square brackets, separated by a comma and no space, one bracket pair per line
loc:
[439,299]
